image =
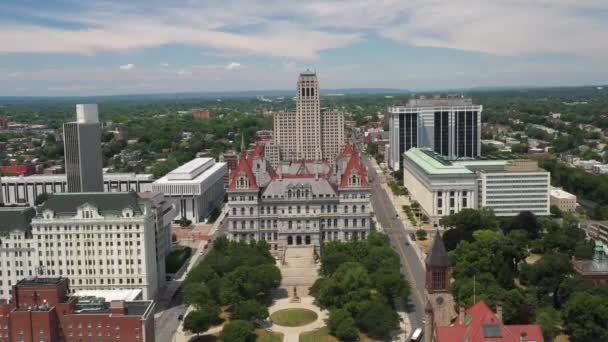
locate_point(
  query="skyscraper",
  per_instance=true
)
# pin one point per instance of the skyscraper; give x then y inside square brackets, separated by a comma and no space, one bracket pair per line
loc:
[449,126]
[82,146]
[309,133]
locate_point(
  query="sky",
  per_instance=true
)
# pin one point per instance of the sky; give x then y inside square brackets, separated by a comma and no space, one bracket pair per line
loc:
[104,47]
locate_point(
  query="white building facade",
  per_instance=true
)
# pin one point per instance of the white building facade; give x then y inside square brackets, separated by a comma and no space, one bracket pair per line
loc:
[101,241]
[445,187]
[196,188]
[25,190]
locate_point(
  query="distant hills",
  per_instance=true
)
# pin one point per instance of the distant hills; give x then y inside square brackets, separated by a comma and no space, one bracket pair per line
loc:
[275,93]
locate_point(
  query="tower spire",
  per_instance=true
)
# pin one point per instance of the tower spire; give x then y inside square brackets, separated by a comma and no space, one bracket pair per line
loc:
[242,144]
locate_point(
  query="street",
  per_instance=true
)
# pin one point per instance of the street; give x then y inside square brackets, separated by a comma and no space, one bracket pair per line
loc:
[411,265]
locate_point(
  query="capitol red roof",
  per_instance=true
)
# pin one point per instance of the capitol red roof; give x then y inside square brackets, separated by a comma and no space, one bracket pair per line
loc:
[482,325]
[242,167]
[347,151]
[354,164]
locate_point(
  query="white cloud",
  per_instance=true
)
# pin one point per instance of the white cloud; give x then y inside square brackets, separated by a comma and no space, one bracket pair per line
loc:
[233,66]
[164,65]
[129,66]
[514,27]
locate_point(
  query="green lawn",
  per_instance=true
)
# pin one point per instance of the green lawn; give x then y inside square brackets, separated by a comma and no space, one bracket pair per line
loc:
[267,336]
[293,317]
[322,335]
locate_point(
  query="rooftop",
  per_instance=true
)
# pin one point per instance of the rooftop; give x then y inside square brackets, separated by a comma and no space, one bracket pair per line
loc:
[40,281]
[434,164]
[15,219]
[63,177]
[559,193]
[193,172]
[106,202]
[110,295]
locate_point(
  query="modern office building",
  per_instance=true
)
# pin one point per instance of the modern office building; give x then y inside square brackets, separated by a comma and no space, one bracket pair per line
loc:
[564,200]
[196,188]
[101,241]
[309,133]
[449,126]
[443,187]
[82,146]
[43,309]
[25,190]
[304,203]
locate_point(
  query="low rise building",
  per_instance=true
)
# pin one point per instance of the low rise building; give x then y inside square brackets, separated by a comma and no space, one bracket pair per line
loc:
[42,309]
[102,241]
[196,188]
[480,323]
[25,190]
[304,203]
[596,269]
[445,187]
[564,200]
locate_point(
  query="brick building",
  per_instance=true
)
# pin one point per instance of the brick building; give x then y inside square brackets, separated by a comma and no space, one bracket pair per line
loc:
[18,170]
[201,114]
[42,310]
[3,123]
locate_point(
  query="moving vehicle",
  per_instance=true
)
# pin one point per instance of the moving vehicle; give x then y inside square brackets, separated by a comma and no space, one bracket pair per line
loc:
[417,335]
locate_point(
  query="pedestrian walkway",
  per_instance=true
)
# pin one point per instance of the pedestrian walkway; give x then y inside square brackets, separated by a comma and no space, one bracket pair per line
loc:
[298,271]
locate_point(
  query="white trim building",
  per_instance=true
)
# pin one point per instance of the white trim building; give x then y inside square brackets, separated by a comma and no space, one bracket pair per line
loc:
[24,190]
[196,188]
[100,241]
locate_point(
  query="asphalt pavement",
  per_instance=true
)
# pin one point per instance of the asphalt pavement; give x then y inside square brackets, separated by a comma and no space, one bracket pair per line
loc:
[411,266]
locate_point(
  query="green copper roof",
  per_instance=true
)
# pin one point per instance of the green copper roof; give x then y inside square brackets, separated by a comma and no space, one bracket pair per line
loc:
[67,203]
[15,219]
[434,164]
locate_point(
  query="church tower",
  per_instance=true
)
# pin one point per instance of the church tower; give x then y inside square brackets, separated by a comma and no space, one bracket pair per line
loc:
[438,267]
[438,287]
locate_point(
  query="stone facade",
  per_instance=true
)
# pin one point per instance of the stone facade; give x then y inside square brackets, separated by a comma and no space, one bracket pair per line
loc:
[309,132]
[303,207]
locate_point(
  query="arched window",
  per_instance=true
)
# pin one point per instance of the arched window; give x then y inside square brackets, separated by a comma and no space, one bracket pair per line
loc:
[242,211]
[242,182]
[251,211]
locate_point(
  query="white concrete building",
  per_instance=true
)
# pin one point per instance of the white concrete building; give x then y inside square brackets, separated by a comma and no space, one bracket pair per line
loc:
[196,188]
[101,241]
[449,126]
[564,200]
[24,190]
[445,187]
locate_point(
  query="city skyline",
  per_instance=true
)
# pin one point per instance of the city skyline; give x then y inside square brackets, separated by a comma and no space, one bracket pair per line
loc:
[107,48]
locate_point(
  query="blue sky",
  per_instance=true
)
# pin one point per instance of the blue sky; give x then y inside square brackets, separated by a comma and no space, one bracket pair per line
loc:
[85,47]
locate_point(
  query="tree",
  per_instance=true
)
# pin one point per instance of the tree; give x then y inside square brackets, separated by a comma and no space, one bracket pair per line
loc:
[585,316]
[376,318]
[555,211]
[527,221]
[342,325]
[519,148]
[421,234]
[238,331]
[547,274]
[184,222]
[250,310]
[199,321]
[549,320]
[464,223]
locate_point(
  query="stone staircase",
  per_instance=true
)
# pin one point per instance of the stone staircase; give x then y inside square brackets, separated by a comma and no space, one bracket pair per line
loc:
[298,271]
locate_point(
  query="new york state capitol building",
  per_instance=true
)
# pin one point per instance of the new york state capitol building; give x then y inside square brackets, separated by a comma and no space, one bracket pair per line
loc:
[301,203]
